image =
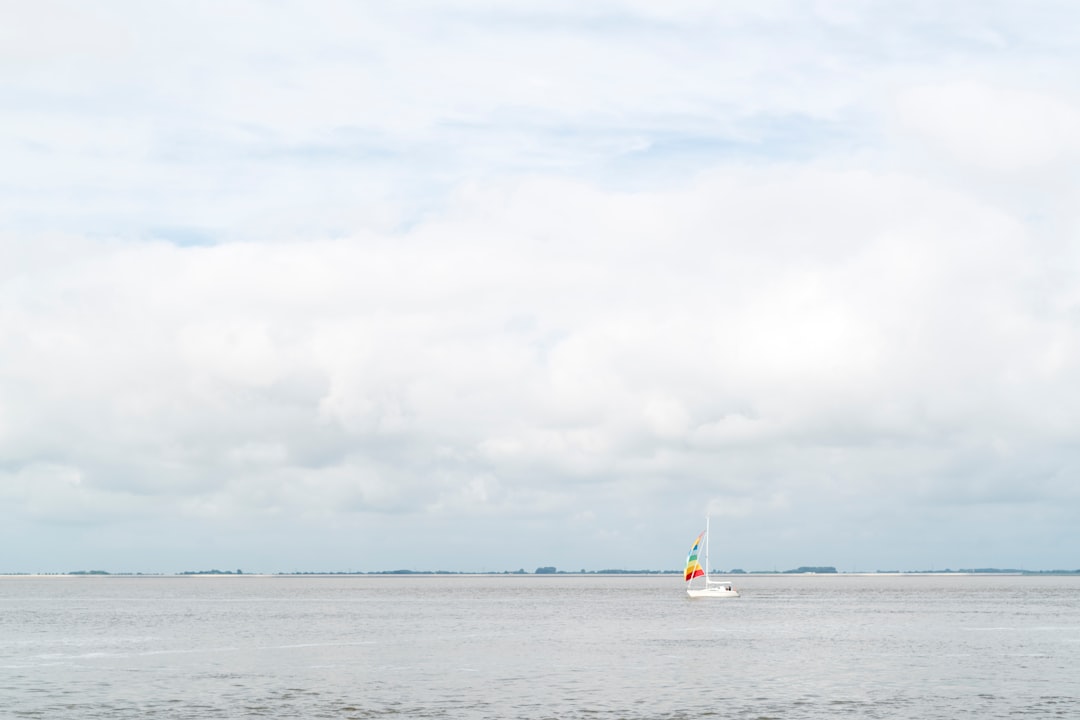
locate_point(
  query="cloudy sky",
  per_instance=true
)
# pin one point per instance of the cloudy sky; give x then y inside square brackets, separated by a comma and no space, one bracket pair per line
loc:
[480,285]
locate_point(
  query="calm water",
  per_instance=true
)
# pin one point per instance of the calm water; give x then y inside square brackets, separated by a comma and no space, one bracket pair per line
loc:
[538,647]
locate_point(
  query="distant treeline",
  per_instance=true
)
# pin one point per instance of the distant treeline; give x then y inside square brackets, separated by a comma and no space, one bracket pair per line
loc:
[551,570]
[802,570]
[546,570]
[982,571]
[212,572]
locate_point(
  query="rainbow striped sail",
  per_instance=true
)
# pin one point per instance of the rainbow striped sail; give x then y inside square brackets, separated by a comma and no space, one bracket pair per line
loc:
[693,567]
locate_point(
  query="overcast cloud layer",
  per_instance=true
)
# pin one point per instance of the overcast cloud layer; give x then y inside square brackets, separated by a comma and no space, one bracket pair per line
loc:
[481,286]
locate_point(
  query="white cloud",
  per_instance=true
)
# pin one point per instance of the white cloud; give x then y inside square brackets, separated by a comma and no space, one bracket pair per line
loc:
[993,128]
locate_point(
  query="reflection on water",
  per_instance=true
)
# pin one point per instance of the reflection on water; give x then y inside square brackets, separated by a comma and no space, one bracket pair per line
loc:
[539,647]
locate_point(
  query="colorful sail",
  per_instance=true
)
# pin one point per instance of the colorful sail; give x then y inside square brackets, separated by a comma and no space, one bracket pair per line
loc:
[693,567]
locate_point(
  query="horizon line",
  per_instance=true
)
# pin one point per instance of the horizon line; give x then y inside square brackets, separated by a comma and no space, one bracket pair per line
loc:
[541,572]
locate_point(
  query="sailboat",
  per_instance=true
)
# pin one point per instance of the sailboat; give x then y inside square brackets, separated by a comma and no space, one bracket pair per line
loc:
[707,588]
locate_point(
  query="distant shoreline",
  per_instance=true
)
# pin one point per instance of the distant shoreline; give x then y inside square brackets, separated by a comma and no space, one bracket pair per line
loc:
[597,573]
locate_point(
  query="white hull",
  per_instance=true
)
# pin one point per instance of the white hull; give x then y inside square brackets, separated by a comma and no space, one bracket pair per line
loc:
[719,590]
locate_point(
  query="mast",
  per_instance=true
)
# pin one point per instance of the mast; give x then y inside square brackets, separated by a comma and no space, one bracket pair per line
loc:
[706,550]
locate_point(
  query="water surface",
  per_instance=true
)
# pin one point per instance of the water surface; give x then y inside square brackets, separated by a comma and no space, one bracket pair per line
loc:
[539,647]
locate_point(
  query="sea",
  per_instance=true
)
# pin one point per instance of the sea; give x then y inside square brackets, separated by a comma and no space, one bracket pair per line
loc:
[539,646]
